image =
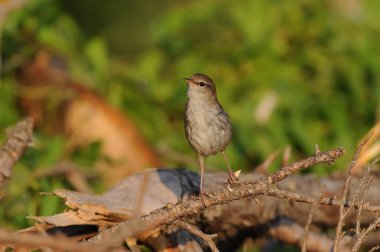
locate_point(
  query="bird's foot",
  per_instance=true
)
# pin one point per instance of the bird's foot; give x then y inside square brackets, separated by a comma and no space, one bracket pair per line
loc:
[232,179]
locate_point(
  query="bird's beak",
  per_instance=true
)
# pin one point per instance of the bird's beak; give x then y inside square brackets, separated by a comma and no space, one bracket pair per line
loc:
[189,81]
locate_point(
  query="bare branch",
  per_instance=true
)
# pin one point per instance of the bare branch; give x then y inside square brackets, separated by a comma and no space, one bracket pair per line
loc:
[318,158]
[308,224]
[342,213]
[194,230]
[172,213]
[364,233]
[327,201]
[290,233]
[374,248]
[364,186]
[38,241]
[18,138]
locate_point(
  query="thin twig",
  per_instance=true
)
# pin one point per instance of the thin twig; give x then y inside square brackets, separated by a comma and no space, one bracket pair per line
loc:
[363,235]
[322,157]
[364,186]
[342,212]
[374,248]
[38,241]
[327,201]
[263,168]
[307,226]
[286,155]
[167,215]
[194,230]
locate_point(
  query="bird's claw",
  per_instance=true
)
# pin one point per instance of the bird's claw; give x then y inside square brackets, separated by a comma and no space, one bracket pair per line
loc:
[232,179]
[201,196]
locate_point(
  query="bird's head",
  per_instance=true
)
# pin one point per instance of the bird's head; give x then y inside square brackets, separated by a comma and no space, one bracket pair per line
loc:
[200,84]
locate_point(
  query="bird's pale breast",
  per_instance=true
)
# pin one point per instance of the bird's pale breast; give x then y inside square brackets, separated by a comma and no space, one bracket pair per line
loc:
[207,127]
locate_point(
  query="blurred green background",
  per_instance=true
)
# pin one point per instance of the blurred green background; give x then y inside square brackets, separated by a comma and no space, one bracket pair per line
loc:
[295,73]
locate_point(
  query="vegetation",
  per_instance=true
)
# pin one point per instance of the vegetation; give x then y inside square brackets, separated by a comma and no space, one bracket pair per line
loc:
[315,61]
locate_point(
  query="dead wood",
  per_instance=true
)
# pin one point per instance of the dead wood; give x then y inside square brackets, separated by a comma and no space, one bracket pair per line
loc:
[164,199]
[234,221]
[18,139]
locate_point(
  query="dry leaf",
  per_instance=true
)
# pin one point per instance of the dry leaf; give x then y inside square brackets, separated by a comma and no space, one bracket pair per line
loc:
[57,104]
[155,187]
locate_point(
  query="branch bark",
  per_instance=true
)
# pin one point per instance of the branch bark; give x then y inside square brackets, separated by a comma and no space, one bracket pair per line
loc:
[18,139]
[172,212]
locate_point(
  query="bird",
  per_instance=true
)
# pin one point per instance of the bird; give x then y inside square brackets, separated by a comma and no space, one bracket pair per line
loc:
[207,125]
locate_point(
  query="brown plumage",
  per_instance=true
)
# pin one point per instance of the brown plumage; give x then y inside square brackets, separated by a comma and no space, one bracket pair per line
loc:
[207,125]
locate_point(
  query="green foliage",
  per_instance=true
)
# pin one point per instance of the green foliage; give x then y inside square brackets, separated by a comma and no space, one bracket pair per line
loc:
[8,110]
[320,62]
[86,157]
[96,55]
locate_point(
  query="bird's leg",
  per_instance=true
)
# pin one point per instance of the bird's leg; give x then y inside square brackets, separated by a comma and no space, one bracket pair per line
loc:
[201,160]
[232,179]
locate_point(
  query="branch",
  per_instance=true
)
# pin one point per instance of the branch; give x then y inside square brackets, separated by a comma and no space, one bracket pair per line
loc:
[307,226]
[327,201]
[364,234]
[19,137]
[364,186]
[173,212]
[38,241]
[292,233]
[342,213]
[194,230]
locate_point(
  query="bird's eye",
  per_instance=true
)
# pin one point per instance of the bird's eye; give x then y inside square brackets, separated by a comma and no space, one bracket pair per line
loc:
[202,84]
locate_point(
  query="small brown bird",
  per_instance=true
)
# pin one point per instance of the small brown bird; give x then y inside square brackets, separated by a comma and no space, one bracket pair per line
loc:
[207,125]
